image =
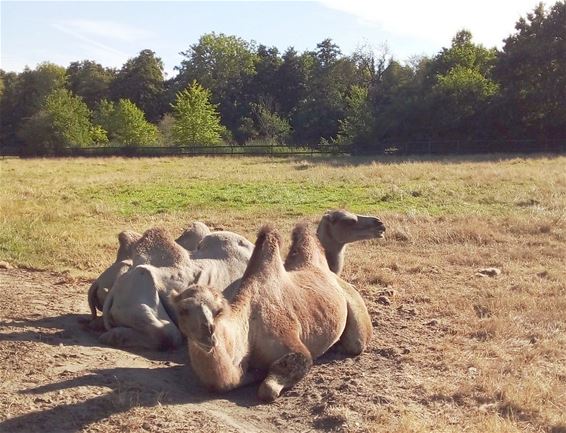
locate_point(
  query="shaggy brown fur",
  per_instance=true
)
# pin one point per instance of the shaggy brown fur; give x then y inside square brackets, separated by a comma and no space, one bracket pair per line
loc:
[157,247]
[279,321]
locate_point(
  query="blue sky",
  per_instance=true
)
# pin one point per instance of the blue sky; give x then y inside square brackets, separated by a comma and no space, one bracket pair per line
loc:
[111,32]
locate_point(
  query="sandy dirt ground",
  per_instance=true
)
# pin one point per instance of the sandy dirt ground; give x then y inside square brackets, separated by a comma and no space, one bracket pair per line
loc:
[56,376]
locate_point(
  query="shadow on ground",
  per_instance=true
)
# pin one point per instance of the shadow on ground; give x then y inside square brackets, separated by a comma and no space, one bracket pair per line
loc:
[128,387]
[73,331]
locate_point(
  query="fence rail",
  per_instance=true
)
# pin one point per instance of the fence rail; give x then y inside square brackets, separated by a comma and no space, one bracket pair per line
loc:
[401,148]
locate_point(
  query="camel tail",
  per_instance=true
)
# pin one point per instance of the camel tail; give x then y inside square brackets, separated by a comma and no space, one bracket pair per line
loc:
[92,300]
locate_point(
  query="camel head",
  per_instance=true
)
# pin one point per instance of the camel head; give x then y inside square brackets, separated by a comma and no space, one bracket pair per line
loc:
[126,240]
[192,236]
[341,227]
[198,308]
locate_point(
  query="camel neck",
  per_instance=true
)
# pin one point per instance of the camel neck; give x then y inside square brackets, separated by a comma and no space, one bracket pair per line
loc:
[334,252]
[335,258]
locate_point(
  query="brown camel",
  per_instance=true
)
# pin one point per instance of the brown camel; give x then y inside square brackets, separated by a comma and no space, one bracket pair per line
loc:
[340,227]
[279,321]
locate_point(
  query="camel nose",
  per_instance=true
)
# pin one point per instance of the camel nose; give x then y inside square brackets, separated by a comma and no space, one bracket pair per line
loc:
[379,225]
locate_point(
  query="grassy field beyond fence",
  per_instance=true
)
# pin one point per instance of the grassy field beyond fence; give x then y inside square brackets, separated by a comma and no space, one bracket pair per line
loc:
[65,213]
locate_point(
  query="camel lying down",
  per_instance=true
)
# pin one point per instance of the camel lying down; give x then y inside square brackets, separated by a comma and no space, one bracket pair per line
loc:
[137,311]
[136,306]
[98,291]
[283,316]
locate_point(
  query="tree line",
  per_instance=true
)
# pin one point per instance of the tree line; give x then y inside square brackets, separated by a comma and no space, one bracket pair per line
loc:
[228,90]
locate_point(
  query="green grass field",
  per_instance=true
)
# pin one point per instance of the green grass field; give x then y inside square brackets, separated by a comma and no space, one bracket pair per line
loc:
[64,213]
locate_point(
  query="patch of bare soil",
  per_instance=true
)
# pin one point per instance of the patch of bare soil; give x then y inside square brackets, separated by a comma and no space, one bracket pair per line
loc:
[56,377]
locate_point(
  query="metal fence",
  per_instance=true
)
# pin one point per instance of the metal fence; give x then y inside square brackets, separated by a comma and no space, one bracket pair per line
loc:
[400,148]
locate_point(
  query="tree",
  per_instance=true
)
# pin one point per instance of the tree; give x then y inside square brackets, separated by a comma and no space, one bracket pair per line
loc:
[126,124]
[62,121]
[357,126]
[197,121]
[329,79]
[140,80]
[24,95]
[223,65]
[462,88]
[265,124]
[532,72]
[90,80]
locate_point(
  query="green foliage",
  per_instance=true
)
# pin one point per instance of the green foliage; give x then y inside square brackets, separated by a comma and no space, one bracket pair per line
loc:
[222,64]
[126,124]
[62,121]
[462,86]
[24,95]
[265,124]
[532,72]
[465,92]
[357,125]
[197,121]
[89,80]
[141,81]
[165,127]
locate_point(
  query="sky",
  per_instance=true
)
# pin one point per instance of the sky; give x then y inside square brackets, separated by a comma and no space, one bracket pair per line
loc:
[111,32]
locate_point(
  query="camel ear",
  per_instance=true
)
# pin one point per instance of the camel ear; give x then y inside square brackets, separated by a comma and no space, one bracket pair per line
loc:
[175,297]
[330,216]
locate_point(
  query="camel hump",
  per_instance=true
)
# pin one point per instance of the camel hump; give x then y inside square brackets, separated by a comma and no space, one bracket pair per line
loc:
[305,248]
[126,240]
[268,240]
[266,251]
[158,248]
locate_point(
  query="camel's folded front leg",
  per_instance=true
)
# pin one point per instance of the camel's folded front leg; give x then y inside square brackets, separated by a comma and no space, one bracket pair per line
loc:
[284,373]
[358,331]
[164,338]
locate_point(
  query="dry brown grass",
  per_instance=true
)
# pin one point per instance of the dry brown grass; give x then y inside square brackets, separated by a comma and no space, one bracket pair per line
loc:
[453,352]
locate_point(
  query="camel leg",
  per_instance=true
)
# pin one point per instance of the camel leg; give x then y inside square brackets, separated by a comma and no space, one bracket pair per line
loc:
[166,337]
[97,324]
[284,373]
[358,331]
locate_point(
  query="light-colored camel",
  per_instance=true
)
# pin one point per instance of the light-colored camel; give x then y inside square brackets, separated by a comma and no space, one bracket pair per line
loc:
[189,239]
[282,318]
[340,227]
[101,286]
[137,313]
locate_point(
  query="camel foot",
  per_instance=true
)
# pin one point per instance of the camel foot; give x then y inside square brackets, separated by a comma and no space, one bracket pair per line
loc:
[96,324]
[284,373]
[350,348]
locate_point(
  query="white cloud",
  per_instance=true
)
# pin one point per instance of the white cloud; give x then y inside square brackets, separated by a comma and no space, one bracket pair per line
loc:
[437,21]
[106,29]
[99,39]
[87,42]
